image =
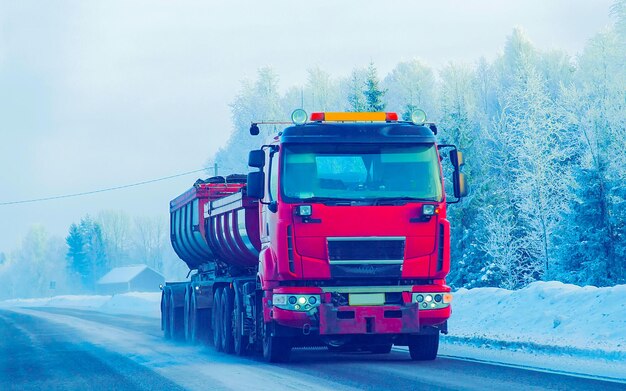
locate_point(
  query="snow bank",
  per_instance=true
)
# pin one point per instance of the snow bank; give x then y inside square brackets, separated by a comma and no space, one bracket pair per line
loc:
[132,303]
[544,313]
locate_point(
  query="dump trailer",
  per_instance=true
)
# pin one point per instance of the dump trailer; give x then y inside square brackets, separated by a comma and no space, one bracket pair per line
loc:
[336,237]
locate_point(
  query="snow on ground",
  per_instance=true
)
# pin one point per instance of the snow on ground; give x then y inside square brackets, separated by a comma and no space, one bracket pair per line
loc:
[132,303]
[546,325]
[549,314]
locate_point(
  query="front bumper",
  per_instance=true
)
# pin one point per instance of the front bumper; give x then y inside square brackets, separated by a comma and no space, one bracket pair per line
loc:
[328,318]
[368,319]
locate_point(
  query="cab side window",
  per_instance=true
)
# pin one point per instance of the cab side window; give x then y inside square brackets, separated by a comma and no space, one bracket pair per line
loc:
[273,185]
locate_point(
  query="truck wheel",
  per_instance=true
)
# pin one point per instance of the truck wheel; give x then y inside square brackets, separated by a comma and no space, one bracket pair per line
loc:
[275,349]
[165,315]
[187,316]
[199,321]
[217,319]
[177,331]
[227,320]
[381,349]
[424,347]
[240,341]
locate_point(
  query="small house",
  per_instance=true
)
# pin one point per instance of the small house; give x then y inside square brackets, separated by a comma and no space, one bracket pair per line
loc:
[138,278]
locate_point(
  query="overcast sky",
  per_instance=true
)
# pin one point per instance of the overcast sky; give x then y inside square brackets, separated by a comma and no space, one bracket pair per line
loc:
[95,94]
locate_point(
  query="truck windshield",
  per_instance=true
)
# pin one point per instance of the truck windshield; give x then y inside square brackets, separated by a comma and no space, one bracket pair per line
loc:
[360,172]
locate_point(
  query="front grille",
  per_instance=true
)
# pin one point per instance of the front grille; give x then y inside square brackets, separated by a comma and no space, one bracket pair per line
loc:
[366,257]
[366,270]
[340,249]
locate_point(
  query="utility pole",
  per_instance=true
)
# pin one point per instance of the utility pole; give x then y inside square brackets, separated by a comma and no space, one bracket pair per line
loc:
[215,169]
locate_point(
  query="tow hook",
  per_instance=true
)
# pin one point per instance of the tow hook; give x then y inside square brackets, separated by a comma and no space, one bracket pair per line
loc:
[306,329]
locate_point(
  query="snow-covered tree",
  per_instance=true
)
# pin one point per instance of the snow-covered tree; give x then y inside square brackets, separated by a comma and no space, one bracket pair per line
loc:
[373,93]
[411,85]
[323,91]
[76,257]
[353,89]
[257,101]
[86,254]
[149,241]
[116,235]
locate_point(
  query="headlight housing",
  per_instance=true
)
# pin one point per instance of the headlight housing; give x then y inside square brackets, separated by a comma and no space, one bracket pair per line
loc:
[432,300]
[295,302]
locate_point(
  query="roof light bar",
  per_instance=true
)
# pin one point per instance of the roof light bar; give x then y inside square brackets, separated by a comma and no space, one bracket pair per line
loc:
[354,117]
[317,117]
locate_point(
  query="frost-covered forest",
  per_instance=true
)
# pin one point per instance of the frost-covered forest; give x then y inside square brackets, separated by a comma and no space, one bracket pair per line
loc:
[544,135]
[47,265]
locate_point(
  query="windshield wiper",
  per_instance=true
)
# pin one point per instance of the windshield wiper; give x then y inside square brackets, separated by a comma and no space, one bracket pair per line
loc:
[400,200]
[327,200]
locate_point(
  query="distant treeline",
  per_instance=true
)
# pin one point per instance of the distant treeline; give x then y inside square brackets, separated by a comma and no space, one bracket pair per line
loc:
[544,136]
[46,265]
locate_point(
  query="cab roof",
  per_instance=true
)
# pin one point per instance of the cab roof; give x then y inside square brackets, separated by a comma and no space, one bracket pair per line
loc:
[357,132]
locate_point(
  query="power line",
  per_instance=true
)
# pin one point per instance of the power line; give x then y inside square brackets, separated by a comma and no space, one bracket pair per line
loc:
[101,190]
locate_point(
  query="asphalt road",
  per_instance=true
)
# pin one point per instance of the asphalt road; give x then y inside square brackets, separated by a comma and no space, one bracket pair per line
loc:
[38,354]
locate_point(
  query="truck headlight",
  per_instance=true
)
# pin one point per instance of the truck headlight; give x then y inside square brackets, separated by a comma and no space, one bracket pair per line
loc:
[432,300]
[279,299]
[295,302]
[304,210]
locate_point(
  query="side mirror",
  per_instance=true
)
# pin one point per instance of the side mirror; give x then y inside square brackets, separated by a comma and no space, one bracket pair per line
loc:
[460,186]
[254,129]
[256,184]
[456,158]
[256,158]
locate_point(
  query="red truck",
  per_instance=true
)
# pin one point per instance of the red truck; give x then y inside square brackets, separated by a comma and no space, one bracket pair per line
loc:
[337,237]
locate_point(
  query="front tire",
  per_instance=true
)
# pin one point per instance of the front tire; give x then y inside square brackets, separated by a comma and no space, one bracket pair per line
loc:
[275,349]
[424,347]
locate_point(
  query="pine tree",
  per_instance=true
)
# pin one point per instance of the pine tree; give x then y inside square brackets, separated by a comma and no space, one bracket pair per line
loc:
[95,253]
[76,257]
[373,93]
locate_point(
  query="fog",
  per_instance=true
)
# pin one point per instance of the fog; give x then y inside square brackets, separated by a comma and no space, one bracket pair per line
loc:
[102,94]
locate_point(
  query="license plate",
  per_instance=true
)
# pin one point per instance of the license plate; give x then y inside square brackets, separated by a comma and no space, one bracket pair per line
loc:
[366,299]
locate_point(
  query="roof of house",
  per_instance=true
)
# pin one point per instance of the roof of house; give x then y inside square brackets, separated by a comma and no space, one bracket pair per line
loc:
[122,274]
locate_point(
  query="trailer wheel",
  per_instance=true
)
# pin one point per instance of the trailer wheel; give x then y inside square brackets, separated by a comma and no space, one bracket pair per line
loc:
[165,314]
[424,347]
[217,319]
[227,320]
[199,320]
[275,349]
[240,341]
[187,316]
[177,331]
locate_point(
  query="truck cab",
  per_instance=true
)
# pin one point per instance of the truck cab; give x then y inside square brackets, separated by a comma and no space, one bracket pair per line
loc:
[354,235]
